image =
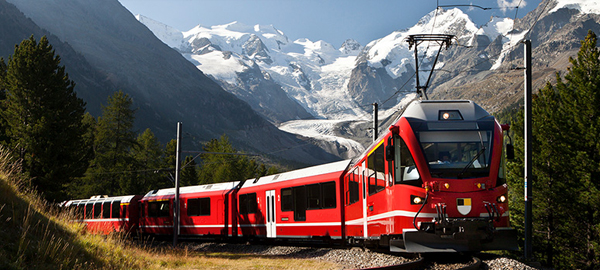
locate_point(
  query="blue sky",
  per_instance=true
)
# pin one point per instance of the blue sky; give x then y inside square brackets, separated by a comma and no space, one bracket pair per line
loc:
[330,20]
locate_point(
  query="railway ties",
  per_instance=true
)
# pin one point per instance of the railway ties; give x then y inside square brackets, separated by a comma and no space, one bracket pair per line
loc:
[426,263]
[411,265]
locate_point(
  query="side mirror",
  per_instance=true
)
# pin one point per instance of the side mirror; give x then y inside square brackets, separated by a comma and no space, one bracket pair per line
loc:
[389,150]
[510,149]
[510,152]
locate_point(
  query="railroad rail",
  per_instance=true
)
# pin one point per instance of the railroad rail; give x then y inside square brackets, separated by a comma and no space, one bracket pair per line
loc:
[422,262]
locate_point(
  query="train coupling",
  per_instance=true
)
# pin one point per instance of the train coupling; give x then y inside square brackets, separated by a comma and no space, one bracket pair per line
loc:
[459,235]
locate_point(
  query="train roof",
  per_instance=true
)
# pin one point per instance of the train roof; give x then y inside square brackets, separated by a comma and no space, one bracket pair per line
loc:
[94,199]
[338,166]
[295,174]
[429,110]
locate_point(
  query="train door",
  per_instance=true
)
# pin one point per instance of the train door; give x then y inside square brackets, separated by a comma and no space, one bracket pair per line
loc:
[354,203]
[271,219]
[364,201]
[375,184]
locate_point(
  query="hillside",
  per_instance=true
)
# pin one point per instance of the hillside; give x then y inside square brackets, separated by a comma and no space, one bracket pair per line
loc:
[35,236]
[101,42]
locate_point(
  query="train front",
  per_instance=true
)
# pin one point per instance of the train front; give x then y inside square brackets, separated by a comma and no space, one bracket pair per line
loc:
[459,152]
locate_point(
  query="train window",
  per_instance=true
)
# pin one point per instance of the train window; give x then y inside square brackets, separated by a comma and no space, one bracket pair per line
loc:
[406,170]
[158,209]
[314,196]
[198,207]
[89,209]
[106,210]
[353,187]
[457,154]
[376,169]
[97,209]
[299,194]
[287,202]
[79,211]
[248,203]
[328,192]
[116,209]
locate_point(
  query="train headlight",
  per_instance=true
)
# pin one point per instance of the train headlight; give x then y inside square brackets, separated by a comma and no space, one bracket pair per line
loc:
[501,198]
[446,115]
[416,199]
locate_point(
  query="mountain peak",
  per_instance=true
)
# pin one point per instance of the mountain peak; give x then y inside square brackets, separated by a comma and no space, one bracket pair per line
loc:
[167,34]
[584,6]
[350,46]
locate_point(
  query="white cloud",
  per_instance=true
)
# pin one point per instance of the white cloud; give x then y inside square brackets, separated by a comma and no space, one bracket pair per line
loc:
[505,5]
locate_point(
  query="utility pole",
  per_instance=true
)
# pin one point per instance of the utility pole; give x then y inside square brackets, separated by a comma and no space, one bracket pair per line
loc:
[528,149]
[375,122]
[176,200]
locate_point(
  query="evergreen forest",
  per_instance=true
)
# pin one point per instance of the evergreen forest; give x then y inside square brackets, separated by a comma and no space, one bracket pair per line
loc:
[68,153]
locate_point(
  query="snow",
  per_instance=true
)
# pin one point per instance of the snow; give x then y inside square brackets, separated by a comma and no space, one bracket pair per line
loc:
[322,130]
[167,34]
[315,73]
[584,6]
[497,26]
[216,64]
[392,51]
[513,39]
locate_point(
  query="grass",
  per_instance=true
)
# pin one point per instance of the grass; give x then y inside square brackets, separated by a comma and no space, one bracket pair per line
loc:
[36,235]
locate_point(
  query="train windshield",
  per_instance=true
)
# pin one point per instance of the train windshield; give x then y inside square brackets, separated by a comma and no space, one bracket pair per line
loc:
[457,154]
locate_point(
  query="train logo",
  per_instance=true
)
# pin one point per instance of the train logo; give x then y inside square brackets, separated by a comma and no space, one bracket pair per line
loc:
[463,205]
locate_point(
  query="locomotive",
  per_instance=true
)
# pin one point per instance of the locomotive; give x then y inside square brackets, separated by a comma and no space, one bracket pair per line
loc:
[433,182]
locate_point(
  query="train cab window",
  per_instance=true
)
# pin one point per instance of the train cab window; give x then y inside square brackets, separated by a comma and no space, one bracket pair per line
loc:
[406,170]
[248,203]
[353,187]
[116,209]
[198,207]
[106,210]
[457,154]
[158,209]
[376,170]
[287,202]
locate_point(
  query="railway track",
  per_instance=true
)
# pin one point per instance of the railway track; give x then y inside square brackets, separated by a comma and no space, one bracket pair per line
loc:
[412,265]
[426,263]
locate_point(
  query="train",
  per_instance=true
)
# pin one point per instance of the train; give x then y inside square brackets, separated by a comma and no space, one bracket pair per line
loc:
[434,181]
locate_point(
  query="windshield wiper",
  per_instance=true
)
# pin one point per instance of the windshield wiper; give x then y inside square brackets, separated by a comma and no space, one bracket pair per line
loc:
[471,162]
[460,175]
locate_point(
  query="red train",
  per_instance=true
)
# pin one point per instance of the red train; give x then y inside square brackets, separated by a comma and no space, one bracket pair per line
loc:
[434,182]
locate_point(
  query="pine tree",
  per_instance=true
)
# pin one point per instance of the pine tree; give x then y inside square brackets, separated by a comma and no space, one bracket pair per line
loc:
[189,172]
[566,165]
[43,117]
[581,95]
[226,167]
[112,168]
[148,155]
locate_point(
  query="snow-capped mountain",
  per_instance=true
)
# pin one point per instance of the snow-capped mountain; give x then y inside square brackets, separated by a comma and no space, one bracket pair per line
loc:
[314,79]
[327,82]
[317,80]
